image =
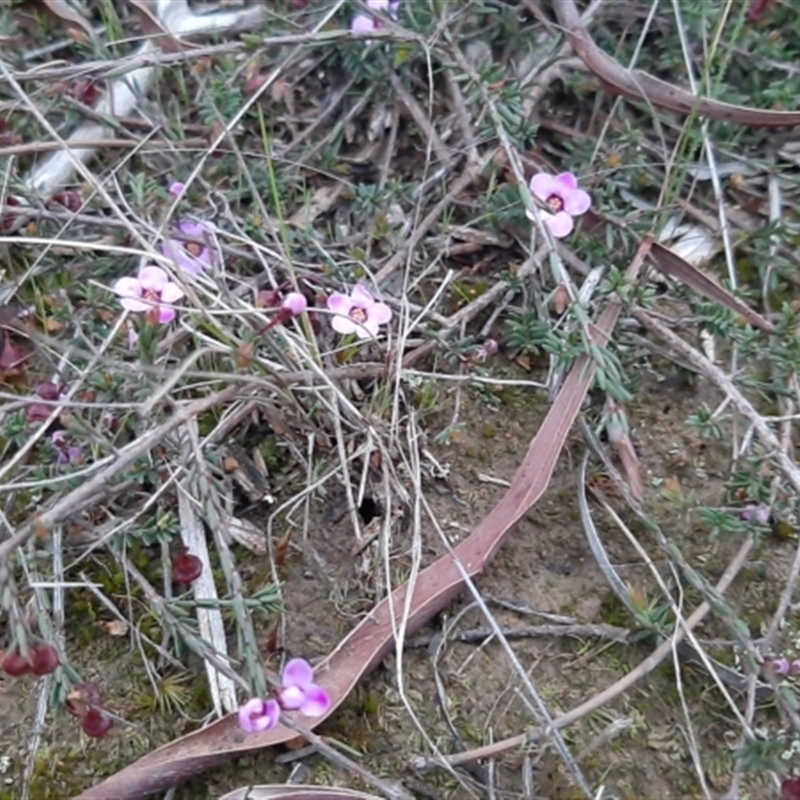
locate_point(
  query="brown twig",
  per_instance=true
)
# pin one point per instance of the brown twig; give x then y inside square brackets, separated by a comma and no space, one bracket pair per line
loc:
[607,695]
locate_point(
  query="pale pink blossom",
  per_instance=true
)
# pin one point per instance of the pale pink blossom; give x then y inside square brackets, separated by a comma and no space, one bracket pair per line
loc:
[299,692]
[294,303]
[365,23]
[150,291]
[560,193]
[358,312]
[258,715]
[755,513]
[193,257]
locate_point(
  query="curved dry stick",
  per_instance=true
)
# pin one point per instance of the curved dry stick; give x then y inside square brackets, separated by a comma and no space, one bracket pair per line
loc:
[296,792]
[639,85]
[372,639]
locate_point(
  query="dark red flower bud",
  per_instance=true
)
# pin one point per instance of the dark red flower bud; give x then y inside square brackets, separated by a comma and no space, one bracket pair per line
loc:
[96,722]
[70,200]
[186,568]
[85,92]
[254,82]
[790,789]
[44,659]
[48,391]
[756,10]
[15,665]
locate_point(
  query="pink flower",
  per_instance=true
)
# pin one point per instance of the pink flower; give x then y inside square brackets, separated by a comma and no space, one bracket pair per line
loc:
[484,351]
[294,304]
[364,23]
[562,195]
[151,291]
[781,666]
[358,313]
[191,257]
[754,513]
[299,692]
[259,715]
[176,188]
[66,452]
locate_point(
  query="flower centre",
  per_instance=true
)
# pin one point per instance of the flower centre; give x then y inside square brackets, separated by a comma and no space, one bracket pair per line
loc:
[358,315]
[151,295]
[193,248]
[555,203]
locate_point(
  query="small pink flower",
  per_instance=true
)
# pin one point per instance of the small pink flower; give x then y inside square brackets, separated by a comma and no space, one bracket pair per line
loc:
[358,313]
[754,513]
[299,692]
[483,352]
[780,666]
[67,452]
[192,257]
[562,195]
[364,23]
[259,715]
[176,188]
[294,303]
[152,291]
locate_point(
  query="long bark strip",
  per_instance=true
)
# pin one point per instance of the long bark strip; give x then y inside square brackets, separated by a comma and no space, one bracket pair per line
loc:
[640,85]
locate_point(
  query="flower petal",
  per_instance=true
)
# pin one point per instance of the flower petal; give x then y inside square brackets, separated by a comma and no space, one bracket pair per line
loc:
[560,224]
[134,304]
[197,230]
[171,293]
[542,185]
[361,297]
[190,264]
[361,23]
[166,314]
[127,287]
[566,181]
[340,303]
[153,279]
[380,313]
[317,701]
[345,325]
[292,698]
[367,329]
[577,202]
[297,672]
[295,303]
